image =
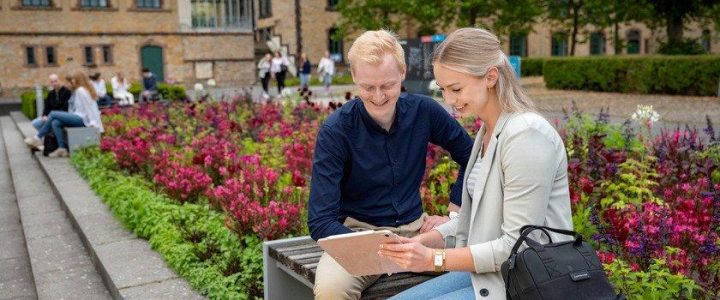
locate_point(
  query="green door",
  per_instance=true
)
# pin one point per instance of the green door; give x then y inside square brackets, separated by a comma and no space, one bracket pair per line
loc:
[152,58]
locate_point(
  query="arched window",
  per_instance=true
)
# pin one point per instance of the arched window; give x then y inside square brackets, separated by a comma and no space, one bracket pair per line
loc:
[633,41]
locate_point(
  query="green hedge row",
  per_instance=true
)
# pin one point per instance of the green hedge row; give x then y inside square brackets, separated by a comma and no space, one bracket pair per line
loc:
[683,75]
[531,66]
[192,238]
[168,92]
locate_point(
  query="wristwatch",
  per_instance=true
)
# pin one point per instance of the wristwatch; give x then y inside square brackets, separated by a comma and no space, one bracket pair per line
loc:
[439,260]
[453,215]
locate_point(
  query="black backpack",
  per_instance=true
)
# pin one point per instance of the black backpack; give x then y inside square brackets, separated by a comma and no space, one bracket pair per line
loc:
[564,270]
[50,144]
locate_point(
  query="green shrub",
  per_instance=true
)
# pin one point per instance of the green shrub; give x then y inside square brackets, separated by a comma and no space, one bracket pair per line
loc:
[655,283]
[683,75]
[27,106]
[684,47]
[192,238]
[315,80]
[531,66]
[168,91]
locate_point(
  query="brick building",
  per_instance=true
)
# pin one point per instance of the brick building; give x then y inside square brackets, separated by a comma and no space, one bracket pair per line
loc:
[183,41]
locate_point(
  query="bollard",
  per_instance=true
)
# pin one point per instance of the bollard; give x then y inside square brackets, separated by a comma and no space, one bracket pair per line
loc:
[38,100]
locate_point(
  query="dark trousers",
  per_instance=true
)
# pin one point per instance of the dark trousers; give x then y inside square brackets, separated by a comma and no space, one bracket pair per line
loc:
[265,80]
[280,77]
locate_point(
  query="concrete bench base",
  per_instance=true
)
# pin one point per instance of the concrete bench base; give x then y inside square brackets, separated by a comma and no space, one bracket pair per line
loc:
[78,137]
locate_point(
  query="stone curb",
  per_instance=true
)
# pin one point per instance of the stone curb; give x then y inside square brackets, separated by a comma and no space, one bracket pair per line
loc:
[127,264]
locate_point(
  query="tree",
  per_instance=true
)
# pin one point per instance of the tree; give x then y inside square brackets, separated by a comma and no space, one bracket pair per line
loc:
[674,14]
[569,15]
[429,16]
[612,13]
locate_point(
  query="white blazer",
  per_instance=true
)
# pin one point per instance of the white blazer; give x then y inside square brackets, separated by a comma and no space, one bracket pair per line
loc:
[523,180]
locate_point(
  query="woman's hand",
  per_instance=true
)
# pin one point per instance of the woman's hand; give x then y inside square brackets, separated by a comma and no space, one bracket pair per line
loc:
[430,222]
[409,254]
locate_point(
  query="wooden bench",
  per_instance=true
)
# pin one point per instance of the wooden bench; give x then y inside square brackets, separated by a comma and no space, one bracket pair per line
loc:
[289,272]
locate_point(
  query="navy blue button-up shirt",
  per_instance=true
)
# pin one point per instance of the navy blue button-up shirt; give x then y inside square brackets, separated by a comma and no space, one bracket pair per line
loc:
[363,171]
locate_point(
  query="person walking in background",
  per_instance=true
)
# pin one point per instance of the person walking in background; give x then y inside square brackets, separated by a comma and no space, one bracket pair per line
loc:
[279,68]
[120,87]
[149,91]
[57,99]
[264,74]
[326,69]
[83,112]
[100,86]
[304,71]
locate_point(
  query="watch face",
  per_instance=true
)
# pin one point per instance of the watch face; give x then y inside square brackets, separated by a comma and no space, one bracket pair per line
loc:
[438,260]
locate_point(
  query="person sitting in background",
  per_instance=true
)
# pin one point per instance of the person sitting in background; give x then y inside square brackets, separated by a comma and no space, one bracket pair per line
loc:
[57,99]
[83,112]
[149,91]
[104,100]
[120,87]
[326,69]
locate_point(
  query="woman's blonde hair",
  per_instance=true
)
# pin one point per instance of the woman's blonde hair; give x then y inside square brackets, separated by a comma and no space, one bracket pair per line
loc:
[78,78]
[474,51]
[371,46]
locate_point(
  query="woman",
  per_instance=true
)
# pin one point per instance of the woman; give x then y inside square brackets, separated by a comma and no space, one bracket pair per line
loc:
[304,71]
[517,176]
[326,69]
[279,67]
[83,112]
[120,87]
[264,74]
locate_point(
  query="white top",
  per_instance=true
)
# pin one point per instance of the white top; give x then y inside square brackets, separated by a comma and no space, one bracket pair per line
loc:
[326,66]
[277,62]
[473,177]
[82,105]
[119,87]
[263,67]
[100,87]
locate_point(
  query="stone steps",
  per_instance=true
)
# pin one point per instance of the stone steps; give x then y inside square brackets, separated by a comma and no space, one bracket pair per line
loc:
[61,266]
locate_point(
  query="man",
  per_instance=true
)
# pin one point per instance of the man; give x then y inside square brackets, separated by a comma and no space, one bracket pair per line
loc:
[369,159]
[149,91]
[57,99]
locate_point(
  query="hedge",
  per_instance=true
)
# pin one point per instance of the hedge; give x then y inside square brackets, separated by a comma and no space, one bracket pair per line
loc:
[531,66]
[315,80]
[191,238]
[682,75]
[168,92]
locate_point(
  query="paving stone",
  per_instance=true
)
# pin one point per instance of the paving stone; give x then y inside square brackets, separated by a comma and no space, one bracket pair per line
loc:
[169,289]
[40,217]
[9,217]
[131,263]
[51,227]
[81,282]
[17,288]
[83,203]
[41,204]
[13,244]
[13,268]
[103,228]
[57,253]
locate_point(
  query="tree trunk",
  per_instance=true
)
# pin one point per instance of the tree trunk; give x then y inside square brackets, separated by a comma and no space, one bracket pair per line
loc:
[674,27]
[573,37]
[472,16]
[616,38]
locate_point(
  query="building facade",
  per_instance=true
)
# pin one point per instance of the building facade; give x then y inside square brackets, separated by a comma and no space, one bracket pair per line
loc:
[184,41]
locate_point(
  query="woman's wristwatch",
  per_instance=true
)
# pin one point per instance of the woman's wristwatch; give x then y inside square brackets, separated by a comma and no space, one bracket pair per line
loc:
[439,260]
[453,215]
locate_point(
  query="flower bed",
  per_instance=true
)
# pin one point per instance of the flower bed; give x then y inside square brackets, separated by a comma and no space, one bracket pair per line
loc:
[648,203]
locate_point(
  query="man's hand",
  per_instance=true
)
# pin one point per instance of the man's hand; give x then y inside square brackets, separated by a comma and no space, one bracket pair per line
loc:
[431,222]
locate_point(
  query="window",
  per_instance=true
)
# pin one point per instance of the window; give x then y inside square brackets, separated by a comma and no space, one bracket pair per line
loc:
[221,14]
[94,3]
[36,3]
[518,44]
[559,44]
[706,40]
[597,43]
[107,54]
[332,4]
[633,42]
[50,57]
[89,55]
[148,3]
[265,8]
[30,56]
[335,47]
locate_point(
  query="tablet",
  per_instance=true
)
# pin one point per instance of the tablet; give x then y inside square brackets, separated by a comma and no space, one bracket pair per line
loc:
[357,252]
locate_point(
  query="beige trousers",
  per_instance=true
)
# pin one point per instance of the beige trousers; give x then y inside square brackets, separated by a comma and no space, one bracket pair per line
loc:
[331,279]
